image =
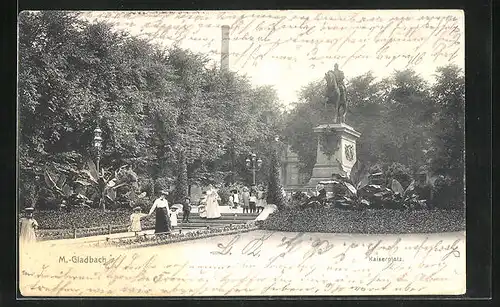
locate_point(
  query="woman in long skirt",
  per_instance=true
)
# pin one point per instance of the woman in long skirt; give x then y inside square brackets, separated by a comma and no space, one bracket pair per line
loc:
[28,225]
[212,207]
[160,207]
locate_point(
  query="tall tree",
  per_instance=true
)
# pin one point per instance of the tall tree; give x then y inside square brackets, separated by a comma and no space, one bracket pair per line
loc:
[275,189]
[393,116]
[409,113]
[367,114]
[446,154]
[160,111]
[74,75]
[301,121]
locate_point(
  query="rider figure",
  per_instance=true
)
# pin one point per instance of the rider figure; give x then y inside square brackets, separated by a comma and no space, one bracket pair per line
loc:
[336,92]
[339,76]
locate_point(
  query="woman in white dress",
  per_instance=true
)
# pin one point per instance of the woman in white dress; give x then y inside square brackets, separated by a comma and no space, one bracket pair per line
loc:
[173,217]
[261,199]
[27,227]
[212,207]
[135,220]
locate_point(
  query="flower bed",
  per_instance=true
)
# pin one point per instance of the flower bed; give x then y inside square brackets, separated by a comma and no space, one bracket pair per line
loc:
[83,218]
[86,222]
[160,239]
[53,234]
[334,220]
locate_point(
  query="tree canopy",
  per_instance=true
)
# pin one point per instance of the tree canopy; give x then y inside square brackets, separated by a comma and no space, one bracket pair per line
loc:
[402,119]
[158,109]
[175,119]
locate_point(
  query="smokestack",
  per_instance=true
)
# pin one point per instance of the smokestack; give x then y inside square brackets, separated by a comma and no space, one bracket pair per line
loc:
[224,60]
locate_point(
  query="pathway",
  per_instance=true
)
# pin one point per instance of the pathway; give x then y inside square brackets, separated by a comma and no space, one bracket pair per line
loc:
[228,217]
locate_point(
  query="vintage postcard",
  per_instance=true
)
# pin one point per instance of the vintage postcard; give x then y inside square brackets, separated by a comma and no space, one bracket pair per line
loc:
[241,153]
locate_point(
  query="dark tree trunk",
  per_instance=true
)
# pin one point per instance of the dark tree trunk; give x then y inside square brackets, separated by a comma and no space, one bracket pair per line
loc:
[181,185]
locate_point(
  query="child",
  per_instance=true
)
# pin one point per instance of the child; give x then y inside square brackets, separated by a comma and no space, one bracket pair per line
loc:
[202,206]
[252,202]
[245,197]
[261,199]
[235,199]
[186,209]
[173,217]
[135,220]
[28,226]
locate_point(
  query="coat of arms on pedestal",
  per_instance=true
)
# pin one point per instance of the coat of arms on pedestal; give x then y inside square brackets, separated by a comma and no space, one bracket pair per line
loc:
[349,152]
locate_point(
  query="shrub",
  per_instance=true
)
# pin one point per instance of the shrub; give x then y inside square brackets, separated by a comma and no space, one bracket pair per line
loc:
[47,199]
[355,193]
[225,195]
[376,168]
[448,193]
[424,191]
[126,174]
[399,172]
[28,193]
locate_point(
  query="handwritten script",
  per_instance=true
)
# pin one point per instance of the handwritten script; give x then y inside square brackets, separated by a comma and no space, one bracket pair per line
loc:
[393,38]
[257,263]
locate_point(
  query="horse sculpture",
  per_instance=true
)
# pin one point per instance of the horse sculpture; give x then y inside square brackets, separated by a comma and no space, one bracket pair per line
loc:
[336,94]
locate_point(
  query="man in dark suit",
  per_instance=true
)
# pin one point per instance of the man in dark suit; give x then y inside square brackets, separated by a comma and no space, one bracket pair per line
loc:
[186,209]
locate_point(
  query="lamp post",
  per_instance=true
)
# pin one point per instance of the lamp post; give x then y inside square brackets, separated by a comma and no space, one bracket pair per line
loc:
[98,147]
[276,153]
[253,164]
[36,191]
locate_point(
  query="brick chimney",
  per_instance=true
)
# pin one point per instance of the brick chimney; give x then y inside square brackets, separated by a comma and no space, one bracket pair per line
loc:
[224,59]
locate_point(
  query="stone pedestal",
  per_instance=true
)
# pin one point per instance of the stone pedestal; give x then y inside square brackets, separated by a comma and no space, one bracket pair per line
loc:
[336,152]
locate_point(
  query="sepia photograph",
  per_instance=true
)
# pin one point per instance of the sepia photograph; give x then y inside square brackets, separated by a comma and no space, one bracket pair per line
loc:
[236,153]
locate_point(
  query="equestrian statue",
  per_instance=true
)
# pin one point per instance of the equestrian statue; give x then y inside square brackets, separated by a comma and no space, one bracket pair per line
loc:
[336,93]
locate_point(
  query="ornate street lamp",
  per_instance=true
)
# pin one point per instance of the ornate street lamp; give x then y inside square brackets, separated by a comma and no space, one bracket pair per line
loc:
[253,164]
[98,146]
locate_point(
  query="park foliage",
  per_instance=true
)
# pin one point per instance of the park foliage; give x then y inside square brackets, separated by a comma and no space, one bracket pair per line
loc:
[171,118]
[408,126]
[384,221]
[167,115]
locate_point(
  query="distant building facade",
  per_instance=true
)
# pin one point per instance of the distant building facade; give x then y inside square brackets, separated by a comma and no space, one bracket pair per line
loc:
[291,176]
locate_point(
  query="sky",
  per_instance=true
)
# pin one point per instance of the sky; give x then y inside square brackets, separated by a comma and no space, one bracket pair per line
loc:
[289,49]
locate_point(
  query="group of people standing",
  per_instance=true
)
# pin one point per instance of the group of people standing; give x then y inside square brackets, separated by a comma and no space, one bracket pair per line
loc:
[251,200]
[165,216]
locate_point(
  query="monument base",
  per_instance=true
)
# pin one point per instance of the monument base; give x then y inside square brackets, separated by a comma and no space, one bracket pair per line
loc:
[336,153]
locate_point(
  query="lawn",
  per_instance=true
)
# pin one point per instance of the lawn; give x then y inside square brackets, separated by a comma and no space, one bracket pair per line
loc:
[334,220]
[328,220]
[83,218]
